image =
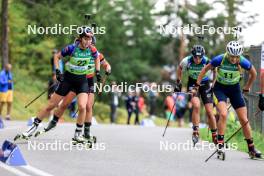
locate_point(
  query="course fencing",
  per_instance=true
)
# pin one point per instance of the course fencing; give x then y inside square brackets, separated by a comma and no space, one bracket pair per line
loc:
[256,119]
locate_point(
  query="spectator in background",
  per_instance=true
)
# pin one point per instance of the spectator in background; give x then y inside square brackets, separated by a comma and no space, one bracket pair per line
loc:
[129,105]
[132,106]
[141,103]
[6,90]
[136,107]
[153,94]
[181,100]
[169,108]
[115,94]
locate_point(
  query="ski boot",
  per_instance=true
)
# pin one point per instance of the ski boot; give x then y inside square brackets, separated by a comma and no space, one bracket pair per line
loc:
[220,152]
[78,138]
[52,124]
[195,137]
[255,154]
[28,134]
[214,138]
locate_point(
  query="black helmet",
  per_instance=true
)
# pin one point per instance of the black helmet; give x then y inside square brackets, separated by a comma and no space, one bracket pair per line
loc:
[85,31]
[198,50]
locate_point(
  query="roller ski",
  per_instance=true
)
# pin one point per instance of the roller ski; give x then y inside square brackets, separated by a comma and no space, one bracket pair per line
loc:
[87,134]
[52,124]
[90,139]
[221,153]
[79,139]
[28,134]
[22,136]
[195,137]
[255,155]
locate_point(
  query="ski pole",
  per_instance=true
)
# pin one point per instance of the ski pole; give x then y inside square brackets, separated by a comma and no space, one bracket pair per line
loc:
[41,94]
[168,121]
[228,139]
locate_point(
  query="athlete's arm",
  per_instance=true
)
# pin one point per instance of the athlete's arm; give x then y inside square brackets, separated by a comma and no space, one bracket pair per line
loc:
[214,76]
[107,66]
[203,72]
[96,57]
[179,73]
[67,51]
[252,77]
[56,59]
[245,64]
[182,66]
[262,82]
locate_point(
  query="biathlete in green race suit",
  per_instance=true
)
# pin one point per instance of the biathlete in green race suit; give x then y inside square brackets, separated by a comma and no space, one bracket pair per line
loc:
[227,86]
[74,79]
[193,65]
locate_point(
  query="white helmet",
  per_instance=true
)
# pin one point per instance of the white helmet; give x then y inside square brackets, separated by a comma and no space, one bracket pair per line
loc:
[234,48]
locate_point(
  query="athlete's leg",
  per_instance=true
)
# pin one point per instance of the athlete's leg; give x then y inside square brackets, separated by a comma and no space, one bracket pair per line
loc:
[196,112]
[53,102]
[65,103]
[89,115]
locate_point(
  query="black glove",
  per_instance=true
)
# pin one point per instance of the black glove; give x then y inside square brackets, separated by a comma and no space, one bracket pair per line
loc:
[245,91]
[59,76]
[108,73]
[195,89]
[98,76]
[178,86]
[261,102]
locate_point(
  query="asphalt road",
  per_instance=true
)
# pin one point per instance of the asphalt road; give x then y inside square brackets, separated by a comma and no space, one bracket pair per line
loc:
[123,150]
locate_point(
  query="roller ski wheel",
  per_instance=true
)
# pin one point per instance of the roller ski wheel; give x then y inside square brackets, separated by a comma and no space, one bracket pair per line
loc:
[221,154]
[195,138]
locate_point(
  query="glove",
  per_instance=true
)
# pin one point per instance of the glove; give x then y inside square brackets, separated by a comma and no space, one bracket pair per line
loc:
[178,86]
[245,91]
[195,89]
[261,102]
[59,76]
[108,72]
[98,76]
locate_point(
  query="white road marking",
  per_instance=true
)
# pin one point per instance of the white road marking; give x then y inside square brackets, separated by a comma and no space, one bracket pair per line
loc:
[36,170]
[13,170]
